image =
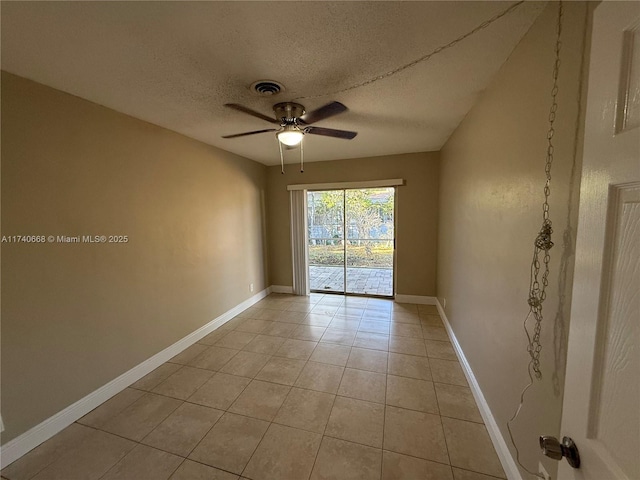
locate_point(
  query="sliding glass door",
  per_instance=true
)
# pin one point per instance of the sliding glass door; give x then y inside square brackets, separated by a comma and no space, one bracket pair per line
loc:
[326,240]
[370,238]
[351,241]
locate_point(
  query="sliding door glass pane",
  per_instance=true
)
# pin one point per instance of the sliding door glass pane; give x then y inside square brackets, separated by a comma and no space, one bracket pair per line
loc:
[326,240]
[369,241]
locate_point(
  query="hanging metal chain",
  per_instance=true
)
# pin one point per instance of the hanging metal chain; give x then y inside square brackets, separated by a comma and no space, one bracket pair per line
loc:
[542,245]
[438,50]
[538,284]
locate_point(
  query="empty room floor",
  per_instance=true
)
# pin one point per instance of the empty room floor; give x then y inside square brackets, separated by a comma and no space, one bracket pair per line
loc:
[320,387]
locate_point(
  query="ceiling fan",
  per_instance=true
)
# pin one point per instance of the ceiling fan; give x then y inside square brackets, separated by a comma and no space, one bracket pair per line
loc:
[295,123]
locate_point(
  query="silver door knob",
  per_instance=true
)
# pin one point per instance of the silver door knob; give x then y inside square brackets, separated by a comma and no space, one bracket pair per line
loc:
[552,448]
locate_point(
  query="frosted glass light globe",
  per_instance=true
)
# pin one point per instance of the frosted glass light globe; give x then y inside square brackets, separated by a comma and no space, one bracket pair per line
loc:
[290,137]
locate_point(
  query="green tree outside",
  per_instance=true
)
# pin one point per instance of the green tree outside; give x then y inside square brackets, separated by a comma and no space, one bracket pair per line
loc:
[370,228]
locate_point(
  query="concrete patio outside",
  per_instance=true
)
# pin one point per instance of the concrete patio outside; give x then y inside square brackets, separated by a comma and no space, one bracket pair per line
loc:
[365,281]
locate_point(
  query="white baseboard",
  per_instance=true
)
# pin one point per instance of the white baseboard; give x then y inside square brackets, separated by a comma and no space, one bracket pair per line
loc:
[499,443]
[419,299]
[29,440]
[281,289]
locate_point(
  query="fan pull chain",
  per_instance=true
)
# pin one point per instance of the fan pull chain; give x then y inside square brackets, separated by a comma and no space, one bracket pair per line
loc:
[302,156]
[542,246]
[281,159]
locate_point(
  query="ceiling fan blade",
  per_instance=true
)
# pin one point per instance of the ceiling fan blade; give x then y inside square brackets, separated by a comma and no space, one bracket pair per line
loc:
[329,110]
[250,133]
[253,113]
[331,132]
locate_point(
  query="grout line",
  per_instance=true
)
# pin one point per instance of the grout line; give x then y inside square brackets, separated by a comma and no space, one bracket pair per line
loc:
[444,435]
[271,356]
[139,444]
[256,449]
[423,459]
[489,477]
[362,444]
[207,465]
[335,396]
[384,417]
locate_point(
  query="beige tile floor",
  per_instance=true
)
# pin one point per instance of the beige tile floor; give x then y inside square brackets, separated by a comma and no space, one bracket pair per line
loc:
[294,388]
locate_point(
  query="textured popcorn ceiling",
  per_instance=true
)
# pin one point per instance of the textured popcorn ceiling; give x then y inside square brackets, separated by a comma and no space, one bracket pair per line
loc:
[175,64]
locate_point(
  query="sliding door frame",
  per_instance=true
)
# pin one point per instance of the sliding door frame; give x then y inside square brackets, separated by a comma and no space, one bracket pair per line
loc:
[345,239]
[394,182]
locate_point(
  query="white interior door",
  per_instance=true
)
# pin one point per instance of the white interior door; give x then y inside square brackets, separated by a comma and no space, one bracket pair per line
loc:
[602,389]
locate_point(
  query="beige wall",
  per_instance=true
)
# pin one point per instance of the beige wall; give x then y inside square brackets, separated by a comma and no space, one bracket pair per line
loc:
[492,177]
[416,211]
[75,316]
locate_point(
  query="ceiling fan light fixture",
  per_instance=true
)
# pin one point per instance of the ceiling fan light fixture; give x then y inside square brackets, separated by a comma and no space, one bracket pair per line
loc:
[291,135]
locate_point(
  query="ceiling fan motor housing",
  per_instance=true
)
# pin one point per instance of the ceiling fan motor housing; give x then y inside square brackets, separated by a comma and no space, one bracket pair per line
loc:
[287,112]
